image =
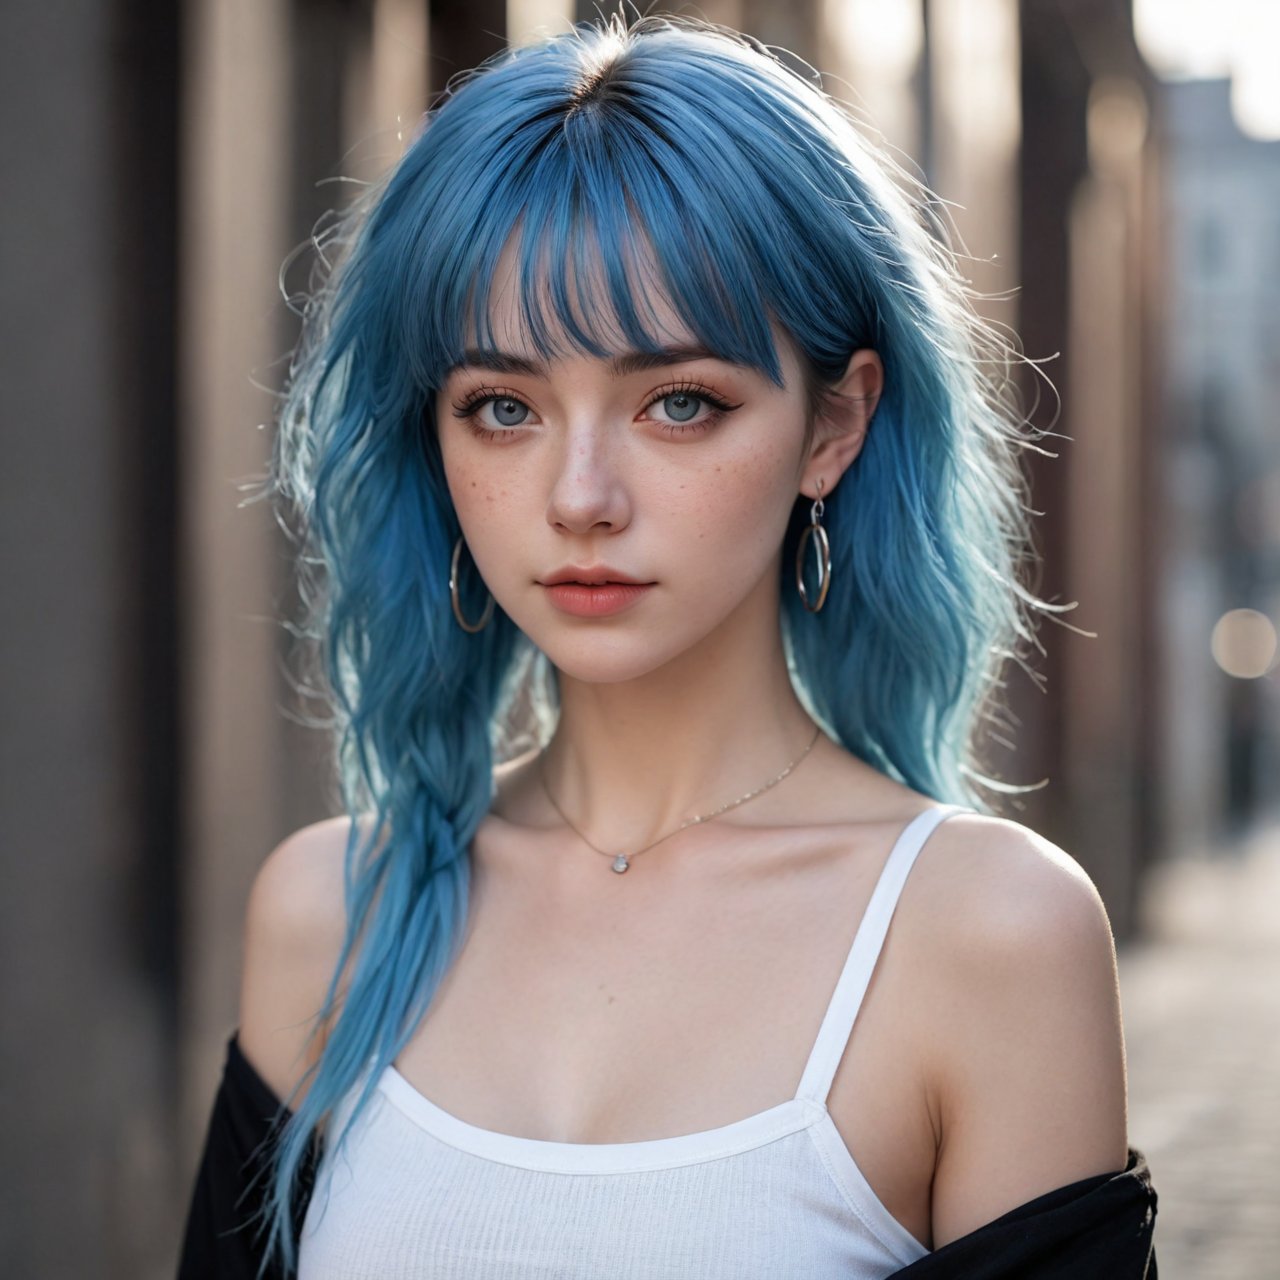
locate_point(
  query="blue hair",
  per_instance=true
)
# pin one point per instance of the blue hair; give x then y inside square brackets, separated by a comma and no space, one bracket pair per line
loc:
[665,159]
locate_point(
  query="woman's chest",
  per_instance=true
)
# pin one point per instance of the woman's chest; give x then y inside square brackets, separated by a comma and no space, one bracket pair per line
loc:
[577,1027]
[569,1035]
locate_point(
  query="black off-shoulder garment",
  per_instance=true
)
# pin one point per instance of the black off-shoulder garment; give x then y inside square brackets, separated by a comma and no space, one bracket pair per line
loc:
[221,1241]
[1099,1228]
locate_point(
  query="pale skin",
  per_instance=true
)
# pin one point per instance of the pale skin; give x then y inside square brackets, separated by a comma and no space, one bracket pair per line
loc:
[987,1064]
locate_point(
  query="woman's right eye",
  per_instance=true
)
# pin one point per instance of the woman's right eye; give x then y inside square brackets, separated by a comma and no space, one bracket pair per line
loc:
[506,411]
[493,413]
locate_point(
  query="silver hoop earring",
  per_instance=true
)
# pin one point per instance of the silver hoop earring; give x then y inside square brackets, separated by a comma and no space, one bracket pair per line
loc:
[823,549]
[453,596]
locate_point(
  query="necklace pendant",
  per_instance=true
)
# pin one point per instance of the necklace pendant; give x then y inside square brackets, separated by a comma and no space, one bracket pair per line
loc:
[620,863]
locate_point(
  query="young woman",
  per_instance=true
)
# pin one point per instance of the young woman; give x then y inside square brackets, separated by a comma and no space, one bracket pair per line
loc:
[643,416]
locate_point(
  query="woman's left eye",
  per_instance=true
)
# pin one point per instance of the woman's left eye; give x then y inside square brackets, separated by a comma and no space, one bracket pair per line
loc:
[686,409]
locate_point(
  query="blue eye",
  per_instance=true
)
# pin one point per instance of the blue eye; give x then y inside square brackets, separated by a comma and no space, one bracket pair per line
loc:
[508,412]
[680,406]
[686,409]
[494,414]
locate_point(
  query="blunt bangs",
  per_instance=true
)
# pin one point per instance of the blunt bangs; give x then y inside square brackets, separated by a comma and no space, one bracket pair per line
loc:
[621,187]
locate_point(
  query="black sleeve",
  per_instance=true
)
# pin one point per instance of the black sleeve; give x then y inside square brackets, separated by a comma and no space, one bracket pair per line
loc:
[1099,1226]
[222,1240]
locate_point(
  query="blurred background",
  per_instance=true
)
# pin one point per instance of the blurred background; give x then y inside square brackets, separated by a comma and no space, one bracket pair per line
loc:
[1115,173]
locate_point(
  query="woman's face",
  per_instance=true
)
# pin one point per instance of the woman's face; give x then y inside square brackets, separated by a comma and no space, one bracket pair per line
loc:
[679,473]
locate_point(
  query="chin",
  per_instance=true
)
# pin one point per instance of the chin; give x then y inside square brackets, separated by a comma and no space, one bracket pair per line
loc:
[605,659]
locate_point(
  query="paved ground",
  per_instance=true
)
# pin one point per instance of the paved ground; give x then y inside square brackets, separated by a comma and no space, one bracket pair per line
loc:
[1202,1019]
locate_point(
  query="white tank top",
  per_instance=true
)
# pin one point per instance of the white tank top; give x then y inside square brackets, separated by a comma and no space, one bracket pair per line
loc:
[420,1193]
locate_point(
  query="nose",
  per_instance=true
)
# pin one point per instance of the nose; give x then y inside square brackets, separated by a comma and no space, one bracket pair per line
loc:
[588,492]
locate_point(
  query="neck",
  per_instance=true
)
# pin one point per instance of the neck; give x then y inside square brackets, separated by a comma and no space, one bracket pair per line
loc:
[630,761]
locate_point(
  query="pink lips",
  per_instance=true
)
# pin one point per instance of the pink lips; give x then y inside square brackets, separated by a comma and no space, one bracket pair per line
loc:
[592,591]
[598,600]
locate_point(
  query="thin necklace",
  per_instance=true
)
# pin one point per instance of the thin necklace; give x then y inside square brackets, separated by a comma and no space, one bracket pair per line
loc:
[622,861]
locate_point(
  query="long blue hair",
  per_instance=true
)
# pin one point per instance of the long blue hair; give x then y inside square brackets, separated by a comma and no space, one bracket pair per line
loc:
[759,200]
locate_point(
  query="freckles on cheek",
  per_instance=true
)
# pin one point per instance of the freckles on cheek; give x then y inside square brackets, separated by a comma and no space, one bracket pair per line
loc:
[487,499]
[470,489]
[745,493]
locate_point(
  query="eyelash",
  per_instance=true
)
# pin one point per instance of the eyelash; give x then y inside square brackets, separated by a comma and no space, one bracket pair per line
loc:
[719,407]
[467,409]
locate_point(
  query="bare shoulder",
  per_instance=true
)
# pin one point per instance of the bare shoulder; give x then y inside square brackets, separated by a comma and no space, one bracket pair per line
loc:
[1028,1074]
[993,886]
[295,923]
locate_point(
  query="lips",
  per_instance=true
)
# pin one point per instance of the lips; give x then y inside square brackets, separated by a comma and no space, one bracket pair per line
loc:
[595,599]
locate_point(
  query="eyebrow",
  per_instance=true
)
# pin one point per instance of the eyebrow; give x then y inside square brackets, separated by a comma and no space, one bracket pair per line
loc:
[622,365]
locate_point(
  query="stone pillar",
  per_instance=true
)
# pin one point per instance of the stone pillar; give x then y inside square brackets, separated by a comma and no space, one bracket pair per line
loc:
[234,234]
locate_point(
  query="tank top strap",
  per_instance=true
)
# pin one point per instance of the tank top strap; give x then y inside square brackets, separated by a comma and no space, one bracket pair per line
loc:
[842,1011]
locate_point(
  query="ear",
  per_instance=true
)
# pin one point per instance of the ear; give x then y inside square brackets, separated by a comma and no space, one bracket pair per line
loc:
[843,419]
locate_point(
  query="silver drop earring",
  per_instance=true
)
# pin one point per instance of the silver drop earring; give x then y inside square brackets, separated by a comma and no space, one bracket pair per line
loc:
[823,549]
